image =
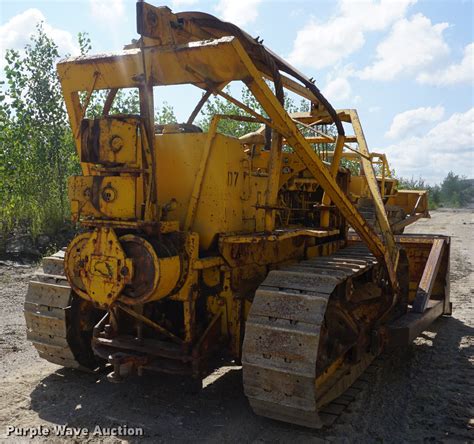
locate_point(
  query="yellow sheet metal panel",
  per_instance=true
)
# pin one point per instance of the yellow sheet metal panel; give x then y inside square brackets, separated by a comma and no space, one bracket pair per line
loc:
[77,73]
[117,197]
[412,201]
[358,187]
[80,196]
[110,140]
[103,196]
[212,60]
[227,202]
[177,160]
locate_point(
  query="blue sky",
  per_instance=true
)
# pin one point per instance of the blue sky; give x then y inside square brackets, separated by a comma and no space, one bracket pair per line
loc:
[406,65]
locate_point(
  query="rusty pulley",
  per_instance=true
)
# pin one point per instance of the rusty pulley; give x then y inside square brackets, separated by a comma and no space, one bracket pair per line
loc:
[96,266]
[103,268]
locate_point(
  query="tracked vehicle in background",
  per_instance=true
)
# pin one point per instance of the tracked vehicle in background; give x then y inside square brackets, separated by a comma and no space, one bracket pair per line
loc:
[198,244]
[403,206]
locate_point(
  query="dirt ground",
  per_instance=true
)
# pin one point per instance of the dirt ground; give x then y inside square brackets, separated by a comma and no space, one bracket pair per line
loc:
[424,393]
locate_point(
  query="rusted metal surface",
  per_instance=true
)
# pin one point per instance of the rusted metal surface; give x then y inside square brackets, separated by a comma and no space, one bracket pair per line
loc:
[277,235]
[125,364]
[428,278]
[398,227]
[145,261]
[283,345]
[207,344]
[390,251]
[55,318]
[149,322]
[96,266]
[153,22]
[110,140]
[153,347]
[405,329]
[418,248]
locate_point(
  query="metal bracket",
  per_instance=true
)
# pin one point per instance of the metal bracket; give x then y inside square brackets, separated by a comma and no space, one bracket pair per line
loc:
[428,278]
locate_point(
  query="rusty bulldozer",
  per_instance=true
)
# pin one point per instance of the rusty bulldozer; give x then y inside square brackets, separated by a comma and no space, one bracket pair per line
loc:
[196,245]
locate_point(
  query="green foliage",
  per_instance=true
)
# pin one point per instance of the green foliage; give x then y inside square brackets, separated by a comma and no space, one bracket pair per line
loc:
[165,114]
[352,165]
[125,101]
[219,105]
[85,44]
[412,184]
[456,191]
[420,184]
[37,152]
[36,146]
[453,192]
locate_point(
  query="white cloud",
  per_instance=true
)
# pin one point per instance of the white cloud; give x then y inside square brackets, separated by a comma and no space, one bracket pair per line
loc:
[406,123]
[462,72]
[16,33]
[108,11]
[318,45]
[375,109]
[337,89]
[375,15]
[239,12]
[321,45]
[412,44]
[447,146]
[297,12]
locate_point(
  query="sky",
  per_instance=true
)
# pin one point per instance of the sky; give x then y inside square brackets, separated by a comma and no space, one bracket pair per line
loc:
[407,66]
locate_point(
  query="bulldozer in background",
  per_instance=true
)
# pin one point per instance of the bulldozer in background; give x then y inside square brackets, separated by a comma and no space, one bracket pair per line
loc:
[403,207]
[196,245]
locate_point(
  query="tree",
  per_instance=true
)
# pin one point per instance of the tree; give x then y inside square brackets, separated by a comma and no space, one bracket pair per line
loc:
[411,184]
[456,191]
[36,146]
[37,152]
[165,114]
[220,105]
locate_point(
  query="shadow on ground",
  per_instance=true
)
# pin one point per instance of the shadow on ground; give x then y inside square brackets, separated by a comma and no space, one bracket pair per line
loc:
[424,393]
[437,405]
[160,404]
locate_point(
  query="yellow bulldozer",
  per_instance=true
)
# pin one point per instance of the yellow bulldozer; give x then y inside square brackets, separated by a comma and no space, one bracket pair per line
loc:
[403,207]
[196,245]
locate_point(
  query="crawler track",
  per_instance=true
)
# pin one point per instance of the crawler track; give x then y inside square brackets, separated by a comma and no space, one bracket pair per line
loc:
[282,338]
[51,327]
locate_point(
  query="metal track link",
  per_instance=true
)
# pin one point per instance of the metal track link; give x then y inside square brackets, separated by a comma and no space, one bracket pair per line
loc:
[332,411]
[282,334]
[46,309]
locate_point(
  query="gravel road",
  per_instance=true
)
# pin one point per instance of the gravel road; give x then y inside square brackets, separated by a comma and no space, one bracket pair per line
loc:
[424,393]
